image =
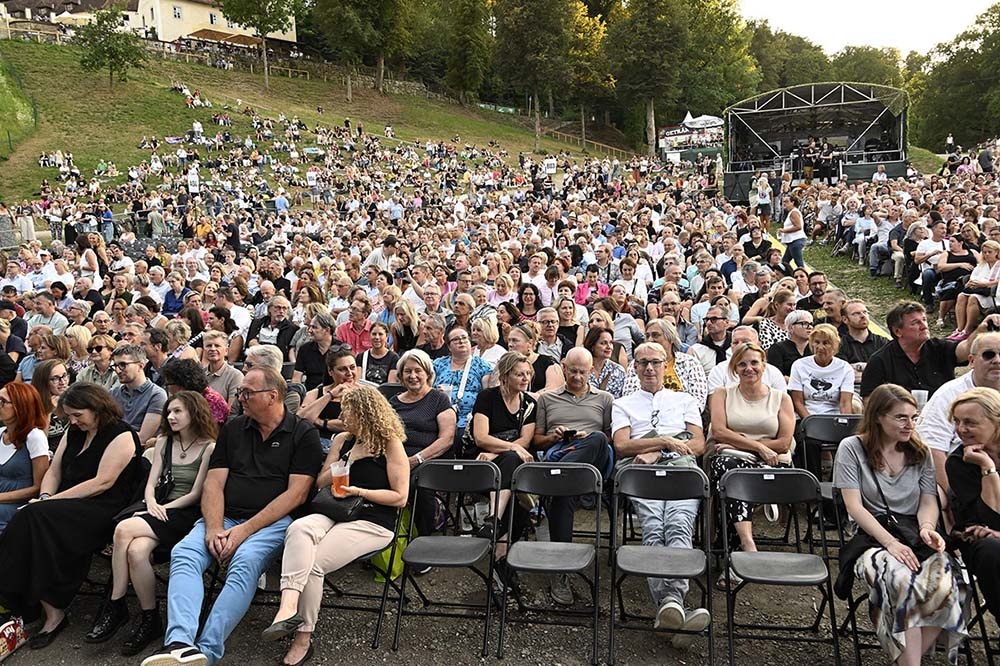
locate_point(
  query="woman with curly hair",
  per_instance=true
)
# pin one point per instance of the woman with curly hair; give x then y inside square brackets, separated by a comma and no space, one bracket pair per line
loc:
[184,374]
[372,446]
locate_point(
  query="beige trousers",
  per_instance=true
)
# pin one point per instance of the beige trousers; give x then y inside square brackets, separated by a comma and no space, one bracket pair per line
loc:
[316,546]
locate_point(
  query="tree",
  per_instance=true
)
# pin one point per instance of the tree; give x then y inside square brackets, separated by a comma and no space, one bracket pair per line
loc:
[367,28]
[107,45]
[468,46]
[590,78]
[867,64]
[264,17]
[532,38]
[646,40]
[717,69]
[784,59]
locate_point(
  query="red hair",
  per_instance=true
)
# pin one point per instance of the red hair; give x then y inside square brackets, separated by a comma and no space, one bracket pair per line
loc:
[28,412]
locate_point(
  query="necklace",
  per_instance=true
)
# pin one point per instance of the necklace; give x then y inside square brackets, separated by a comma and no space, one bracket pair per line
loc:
[184,451]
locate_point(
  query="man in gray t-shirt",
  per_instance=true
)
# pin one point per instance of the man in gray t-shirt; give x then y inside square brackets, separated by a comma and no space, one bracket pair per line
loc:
[141,400]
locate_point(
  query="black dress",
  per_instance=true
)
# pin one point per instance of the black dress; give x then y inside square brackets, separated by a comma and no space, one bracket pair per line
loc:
[45,550]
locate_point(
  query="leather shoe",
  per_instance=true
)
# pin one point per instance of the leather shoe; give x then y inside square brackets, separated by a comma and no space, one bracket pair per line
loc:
[282,628]
[150,628]
[44,638]
[113,615]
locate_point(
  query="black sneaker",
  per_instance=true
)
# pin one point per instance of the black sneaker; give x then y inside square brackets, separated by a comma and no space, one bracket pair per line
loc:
[177,654]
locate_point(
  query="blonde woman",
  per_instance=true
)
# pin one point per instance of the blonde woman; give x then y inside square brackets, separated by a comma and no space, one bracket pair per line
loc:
[79,339]
[485,336]
[978,294]
[406,326]
[315,546]
[178,334]
[503,290]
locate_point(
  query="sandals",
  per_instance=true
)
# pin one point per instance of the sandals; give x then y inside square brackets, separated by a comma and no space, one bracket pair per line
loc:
[728,586]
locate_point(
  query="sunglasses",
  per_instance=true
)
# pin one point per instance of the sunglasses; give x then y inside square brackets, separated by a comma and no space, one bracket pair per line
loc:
[96,348]
[989,354]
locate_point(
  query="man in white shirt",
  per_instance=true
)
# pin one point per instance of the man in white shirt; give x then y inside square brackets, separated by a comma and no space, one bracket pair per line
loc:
[935,426]
[15,278]
[926,256]
[47,315]
[158,283]
[722,377]
[647,426]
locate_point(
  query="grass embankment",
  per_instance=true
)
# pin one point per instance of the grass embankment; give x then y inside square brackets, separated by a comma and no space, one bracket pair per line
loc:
[79,114]
[924,160]
[16,115]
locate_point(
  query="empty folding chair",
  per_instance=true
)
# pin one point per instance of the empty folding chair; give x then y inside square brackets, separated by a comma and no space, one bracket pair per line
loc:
[451,551]
[548,557]
[653,482]
[795,569]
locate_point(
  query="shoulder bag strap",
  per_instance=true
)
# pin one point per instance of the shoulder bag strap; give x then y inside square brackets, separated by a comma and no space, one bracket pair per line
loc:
[465,378]
[364,364]
[888,510]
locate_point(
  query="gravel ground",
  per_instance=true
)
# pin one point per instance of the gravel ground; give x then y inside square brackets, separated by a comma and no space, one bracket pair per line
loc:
[344,636]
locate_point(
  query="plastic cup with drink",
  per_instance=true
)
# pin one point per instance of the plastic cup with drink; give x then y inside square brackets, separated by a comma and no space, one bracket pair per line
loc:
[341,472]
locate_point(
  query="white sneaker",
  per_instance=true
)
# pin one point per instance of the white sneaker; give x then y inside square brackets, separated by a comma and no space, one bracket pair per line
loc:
[670,617]
[696,620]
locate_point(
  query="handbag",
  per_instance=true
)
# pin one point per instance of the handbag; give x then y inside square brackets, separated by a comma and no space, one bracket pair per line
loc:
[469,448]
[337,509]
[164,485]
[905,528]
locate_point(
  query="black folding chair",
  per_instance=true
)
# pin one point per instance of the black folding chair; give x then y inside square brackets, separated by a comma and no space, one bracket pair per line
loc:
[466,476]
[560,479]
[786,569]
[390,389]
[828,430]
[666,484]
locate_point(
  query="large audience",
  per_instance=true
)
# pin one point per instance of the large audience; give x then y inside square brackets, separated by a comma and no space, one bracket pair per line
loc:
[248,312]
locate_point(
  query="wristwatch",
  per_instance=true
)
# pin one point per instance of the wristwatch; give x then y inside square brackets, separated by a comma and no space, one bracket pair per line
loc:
[420,458]
[987,472]
[44,496]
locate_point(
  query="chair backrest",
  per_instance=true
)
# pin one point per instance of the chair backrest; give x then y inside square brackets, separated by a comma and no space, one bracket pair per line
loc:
[557,479]
[832,428]
[287,369]
[390,389]
[657,482]
[769,486]
[457,476]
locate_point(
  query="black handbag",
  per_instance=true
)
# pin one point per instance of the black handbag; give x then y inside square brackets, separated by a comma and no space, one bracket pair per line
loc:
[469,450]
[165,484]
[337,509]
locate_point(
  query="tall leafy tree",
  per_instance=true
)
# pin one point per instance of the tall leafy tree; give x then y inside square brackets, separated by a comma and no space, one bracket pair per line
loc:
[590,76]
[867,64]
[107,45]
[264,17]
[784,59]
[646,41]
[469,46]
[532,38]
[376,29]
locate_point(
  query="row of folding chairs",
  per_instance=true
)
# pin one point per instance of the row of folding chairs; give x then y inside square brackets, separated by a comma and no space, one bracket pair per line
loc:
[772,486]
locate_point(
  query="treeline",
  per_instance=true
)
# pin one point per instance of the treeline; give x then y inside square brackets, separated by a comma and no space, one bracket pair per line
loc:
[629,63]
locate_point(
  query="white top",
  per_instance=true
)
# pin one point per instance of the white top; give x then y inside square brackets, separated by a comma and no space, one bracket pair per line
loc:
[934,426]
[673,411]
[37,444]
[720,377]
[492,354]
[821,386]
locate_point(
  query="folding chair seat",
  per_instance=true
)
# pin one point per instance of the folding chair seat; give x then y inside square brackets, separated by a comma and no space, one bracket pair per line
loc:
[666,484]
[451,551]
[776,486]
[557,479]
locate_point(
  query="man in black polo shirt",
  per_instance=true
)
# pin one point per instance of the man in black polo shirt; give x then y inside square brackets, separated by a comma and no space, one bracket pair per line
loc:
[264,465]
[858,343]
[814,301]
[915,360]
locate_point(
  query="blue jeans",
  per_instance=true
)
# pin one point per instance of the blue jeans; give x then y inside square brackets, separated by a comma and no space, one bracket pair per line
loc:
[594,449]
[667,524]
[928,280]
[877,253]
[188,561]
[793,252]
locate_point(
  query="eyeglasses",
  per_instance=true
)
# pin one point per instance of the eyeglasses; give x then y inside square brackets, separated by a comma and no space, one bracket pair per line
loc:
[59,379]
[245,393]
[339,348]
[645,363]
[4,402]
[654,418]
[121,365]
[989,354]
[549,322]
[807,324]
[714,319]
[96,348]
[459,338]
[903,419]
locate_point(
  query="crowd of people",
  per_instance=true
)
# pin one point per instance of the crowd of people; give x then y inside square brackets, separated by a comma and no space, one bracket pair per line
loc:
[607,313]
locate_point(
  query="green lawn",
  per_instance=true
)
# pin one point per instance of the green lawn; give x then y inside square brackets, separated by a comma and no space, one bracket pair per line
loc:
[79,114]
[924,160]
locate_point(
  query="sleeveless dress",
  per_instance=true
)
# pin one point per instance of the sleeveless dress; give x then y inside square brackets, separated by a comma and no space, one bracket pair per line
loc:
[179,521]
[16,473]
[45,551]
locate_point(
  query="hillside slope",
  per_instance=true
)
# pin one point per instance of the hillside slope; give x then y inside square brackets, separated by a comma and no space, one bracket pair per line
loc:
[79,114]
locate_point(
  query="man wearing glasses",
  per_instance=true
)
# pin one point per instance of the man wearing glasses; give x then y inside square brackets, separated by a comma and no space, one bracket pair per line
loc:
[263,467]
[550,343]
[275,328]
[817,288]
[141,400]
[657,426]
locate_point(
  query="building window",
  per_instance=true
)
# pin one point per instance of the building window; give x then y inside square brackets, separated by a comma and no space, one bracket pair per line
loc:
[177,12]
[151,16]
[230,24]
[213,18]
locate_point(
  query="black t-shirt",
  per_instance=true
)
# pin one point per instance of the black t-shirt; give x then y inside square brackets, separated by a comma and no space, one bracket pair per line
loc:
[312,364]
[891,365]
[966,481]
[420,419]
[490,404]
[377,371]
[259,470]
[434,353]
[540,365]
[782,354]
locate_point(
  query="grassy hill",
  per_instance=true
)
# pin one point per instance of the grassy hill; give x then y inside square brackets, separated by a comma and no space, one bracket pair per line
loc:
[16,112]
[78,113]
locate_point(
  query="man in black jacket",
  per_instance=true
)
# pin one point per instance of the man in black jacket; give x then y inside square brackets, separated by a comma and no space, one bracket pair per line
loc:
[274,328]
